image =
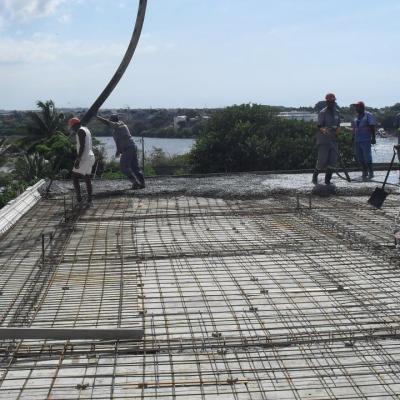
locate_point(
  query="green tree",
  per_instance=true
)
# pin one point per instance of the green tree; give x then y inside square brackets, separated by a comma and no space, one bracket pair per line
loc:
[31,167]
[47,122]
[252,137]
[11,191]
[4,147]
[57,149]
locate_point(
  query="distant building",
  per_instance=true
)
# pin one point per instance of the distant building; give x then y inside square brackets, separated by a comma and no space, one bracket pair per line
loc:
[180,121]
[299,115]
[346,125]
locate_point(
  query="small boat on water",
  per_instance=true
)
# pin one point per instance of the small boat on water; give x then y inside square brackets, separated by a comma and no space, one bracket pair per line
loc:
[382,133]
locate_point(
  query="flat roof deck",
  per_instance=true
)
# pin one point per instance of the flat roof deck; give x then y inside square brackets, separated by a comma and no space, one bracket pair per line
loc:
[236,299]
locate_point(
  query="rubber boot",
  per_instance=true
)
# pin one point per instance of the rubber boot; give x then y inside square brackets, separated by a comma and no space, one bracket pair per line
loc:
[370,171]
[315,177]
[142,183]
[328,177]
[364,172]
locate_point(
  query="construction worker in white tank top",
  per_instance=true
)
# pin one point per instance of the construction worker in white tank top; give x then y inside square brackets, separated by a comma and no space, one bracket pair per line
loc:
[85,159]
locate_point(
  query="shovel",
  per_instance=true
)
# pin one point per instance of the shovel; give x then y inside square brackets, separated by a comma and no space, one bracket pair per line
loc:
[379,195]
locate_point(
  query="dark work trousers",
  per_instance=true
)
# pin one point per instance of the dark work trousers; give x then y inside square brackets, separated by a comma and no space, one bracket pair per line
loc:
[130,165]
[77,187]
[327,155]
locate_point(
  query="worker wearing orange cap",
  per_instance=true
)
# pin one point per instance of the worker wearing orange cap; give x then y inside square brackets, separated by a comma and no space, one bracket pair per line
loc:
[364,126]
[85,159]
[327,141]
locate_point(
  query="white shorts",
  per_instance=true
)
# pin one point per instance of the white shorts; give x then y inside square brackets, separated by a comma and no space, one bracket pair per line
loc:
[85,166]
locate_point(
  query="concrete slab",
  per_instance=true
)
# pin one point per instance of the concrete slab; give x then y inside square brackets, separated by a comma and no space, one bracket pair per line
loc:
[238,297]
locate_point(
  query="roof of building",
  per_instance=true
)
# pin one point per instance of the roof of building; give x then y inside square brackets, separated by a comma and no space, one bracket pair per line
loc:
[238,295]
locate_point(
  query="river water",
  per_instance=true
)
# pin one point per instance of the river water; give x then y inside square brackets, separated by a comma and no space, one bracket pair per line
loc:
[381,152]
[169,146]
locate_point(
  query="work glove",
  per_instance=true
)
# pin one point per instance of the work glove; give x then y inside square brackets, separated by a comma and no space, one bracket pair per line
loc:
[76,163]
[117,154]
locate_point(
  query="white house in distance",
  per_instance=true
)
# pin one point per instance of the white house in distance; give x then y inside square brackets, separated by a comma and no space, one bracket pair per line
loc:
[346,125]
[299,115]
[180,121]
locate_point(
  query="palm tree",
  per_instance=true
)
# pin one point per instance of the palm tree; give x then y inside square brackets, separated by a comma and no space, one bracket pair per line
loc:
[46,123]
[31,167]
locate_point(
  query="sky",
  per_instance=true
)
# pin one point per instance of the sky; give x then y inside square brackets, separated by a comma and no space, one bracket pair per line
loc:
[200,53]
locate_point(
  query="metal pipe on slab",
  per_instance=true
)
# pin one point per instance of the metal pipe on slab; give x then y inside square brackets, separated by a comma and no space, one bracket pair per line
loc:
[70,333]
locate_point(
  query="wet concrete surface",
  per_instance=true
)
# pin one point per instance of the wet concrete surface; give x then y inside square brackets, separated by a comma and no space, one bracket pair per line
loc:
[238,186]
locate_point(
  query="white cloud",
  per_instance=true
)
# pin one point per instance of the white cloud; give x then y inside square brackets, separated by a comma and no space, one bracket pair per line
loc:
[64,18]
[28,9]
[25,51]
[46,48]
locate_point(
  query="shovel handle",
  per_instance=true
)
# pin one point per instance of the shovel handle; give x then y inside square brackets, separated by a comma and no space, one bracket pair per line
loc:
[390,168]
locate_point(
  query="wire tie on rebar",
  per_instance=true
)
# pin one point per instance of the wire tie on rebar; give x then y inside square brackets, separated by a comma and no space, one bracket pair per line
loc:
[65,288]
[264,291]
[82,386]
[253,309]
[232,381]
[216,334]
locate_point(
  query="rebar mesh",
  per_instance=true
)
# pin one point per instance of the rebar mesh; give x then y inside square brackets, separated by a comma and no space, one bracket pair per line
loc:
[280,298]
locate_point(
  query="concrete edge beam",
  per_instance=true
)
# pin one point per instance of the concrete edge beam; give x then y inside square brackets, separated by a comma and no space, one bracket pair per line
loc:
[16,208]
[71,333]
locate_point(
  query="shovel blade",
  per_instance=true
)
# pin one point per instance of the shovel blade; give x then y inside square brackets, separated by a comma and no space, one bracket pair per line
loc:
[377,197]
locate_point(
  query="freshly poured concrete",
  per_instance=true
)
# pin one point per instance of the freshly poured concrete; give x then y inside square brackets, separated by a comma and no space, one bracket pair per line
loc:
[239,186]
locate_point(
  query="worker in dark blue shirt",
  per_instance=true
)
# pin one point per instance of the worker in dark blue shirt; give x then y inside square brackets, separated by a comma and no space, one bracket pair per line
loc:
[364,134]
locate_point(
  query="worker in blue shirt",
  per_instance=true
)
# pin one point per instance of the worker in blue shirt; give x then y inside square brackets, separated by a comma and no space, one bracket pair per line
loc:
[364,128]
